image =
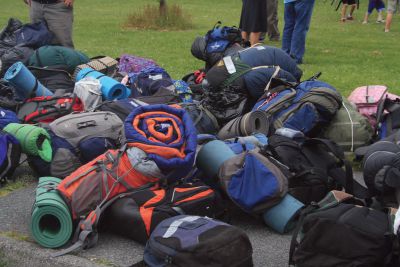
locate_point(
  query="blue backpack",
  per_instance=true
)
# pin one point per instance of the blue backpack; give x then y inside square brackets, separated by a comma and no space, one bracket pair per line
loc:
[220,38]
[149,80]
[10,152]
[6,117]
[252,181]
[305,107]
[34,35]
[197,241]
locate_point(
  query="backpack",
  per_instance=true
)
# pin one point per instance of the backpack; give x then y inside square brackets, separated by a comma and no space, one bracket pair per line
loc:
[219,38]
[54,78]
[132,65]
[10,152]
[12,55]
[78,139]
[367,99]
[46,109]
[122,107]
[149,80]
[203,120]
[197,241]
[103,64]
[136,215]
[161,96]
[253,181]
[306,107]
[6,117]
[387,117]
[339,232]
[34,34]
[8,98]
[348,128]
[317,166]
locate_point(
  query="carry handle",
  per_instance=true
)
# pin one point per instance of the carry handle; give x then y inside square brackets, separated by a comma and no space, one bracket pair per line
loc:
[85,124]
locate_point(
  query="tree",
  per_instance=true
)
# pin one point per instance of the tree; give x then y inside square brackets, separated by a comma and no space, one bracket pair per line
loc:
[163,7]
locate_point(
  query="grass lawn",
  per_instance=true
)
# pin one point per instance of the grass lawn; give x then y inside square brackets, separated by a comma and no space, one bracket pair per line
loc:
[348,54]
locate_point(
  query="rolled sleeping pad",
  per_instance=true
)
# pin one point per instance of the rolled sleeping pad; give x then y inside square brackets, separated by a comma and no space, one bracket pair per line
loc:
[282,216]
[110,88]
[51,222]
[34,140]
[253,122]
[211,157]
[25,82]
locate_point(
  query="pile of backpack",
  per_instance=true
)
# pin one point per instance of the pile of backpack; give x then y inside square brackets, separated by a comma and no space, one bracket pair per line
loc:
[119,145]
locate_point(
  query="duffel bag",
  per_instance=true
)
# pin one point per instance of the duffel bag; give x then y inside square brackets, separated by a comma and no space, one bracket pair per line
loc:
[136,215]
[197,241]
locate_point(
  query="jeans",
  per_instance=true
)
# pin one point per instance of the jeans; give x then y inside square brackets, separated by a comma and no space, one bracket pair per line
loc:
[297,22]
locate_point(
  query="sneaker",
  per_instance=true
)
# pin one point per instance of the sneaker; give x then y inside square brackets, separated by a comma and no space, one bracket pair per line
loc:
[350,17]
[343,20]
[387,30]
[364,22]
[380,21]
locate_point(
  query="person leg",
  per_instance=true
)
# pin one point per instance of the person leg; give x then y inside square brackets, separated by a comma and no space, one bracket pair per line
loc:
[36,12]
[365,21]
[303,9]
[254,38]
[59,19]
[289,17]
[343,13]
[350,15]
[391,8]
[272,20]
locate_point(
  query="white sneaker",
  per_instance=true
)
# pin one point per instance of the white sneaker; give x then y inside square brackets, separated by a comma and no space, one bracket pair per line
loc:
[364,22]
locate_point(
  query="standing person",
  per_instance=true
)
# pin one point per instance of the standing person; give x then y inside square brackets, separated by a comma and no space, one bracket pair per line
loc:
[58,15]
[391,8]
[346,3]
[272,20]
[253,20]
[297,23]
[379,6]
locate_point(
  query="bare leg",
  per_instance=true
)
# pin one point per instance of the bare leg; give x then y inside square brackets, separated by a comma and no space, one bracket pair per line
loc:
[388,21]
[344,9]
[245,36]
[352,8]
[254,38]
[366,18]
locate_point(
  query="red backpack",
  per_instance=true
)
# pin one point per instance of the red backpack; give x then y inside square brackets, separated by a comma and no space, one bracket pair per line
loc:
[46,109]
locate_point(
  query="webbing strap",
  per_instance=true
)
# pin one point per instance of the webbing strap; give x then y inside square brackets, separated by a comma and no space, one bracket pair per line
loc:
[241,69]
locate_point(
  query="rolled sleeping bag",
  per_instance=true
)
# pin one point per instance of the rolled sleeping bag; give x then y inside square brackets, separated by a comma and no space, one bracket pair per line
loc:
[25,83]
[253,122]
[51,222]
[282,217]
[110,88]
[34,140]
[211,157]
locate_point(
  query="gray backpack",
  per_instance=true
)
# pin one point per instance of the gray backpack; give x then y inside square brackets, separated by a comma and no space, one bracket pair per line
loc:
[78,138]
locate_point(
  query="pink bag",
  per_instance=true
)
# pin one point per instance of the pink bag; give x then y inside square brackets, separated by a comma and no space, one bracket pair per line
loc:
[367,98]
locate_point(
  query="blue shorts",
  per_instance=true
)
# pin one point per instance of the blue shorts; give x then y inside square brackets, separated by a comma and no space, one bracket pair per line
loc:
[375,4]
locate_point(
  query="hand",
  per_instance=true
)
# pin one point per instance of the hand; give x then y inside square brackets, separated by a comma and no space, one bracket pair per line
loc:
[28,2]
[68,3]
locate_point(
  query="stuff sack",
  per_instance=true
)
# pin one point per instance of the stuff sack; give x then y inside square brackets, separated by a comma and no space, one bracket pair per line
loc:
[54,78]
[348,128]
[137,215]
[47,56]
[339,233]
[203,120]
[89,92]
[252,181]
[10,152]
[307,107]
[197,241]
[46,109]
[318,166]
[366,99]
[105,65]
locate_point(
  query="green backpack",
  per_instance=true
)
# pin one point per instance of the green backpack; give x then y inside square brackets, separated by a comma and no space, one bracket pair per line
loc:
[348,128]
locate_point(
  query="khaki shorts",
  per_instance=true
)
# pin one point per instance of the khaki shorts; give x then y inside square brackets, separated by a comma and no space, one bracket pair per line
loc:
[392,5]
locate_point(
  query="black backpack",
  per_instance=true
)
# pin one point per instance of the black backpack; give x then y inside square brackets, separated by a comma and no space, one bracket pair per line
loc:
[318,166]
[54,78]
[197,241]
[388,117]
[339,231]
[8,98]
[121,107]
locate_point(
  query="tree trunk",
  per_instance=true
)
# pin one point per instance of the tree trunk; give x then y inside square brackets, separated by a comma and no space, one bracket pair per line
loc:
[163,7]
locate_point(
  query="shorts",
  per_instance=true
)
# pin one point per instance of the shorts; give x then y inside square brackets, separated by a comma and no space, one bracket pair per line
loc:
[392,5]
[349,2]
[375,4]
